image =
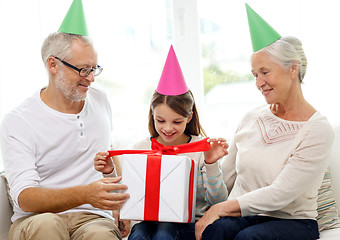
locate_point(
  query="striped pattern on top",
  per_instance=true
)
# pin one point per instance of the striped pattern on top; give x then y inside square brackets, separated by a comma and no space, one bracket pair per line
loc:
[210,190]
[327,212]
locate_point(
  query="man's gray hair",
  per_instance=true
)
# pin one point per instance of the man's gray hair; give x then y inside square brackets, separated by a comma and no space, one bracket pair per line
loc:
[59,45]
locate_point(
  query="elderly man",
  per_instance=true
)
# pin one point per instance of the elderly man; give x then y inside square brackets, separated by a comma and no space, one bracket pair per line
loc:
[49,143]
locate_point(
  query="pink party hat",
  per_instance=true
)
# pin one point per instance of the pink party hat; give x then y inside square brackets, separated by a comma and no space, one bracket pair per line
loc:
[172,80]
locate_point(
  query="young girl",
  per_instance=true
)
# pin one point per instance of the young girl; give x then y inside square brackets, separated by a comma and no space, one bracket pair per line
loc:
[173,120]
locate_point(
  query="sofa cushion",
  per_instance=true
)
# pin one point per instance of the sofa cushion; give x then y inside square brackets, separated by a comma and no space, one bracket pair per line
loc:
[331,234]
[3,176]
[327,211]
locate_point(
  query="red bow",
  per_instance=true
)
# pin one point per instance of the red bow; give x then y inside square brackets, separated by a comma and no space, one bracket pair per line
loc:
[157,148]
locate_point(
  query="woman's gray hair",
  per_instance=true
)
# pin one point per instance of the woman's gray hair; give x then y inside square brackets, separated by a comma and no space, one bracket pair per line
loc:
[59,45]
[287,51]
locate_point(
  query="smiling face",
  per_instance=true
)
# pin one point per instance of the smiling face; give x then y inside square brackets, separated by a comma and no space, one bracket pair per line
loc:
[170,125]
[67,81]
[275,82]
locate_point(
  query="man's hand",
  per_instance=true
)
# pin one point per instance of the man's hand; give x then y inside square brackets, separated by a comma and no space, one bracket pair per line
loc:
[105,194]
[99,194]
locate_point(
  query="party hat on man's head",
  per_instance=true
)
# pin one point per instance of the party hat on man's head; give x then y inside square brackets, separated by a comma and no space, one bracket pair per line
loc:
[261,33]
[74,21]
[172,80]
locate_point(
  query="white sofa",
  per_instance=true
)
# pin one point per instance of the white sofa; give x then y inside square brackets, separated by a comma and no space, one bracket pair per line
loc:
[332,234]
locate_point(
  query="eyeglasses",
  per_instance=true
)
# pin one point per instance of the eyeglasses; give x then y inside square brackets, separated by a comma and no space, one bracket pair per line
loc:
[83,72]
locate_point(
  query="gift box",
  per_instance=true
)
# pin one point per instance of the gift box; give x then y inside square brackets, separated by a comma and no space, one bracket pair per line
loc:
[161,187]
[161,184]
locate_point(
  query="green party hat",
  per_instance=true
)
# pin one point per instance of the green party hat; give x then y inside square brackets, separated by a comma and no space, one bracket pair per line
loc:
[261,33]
[74,21]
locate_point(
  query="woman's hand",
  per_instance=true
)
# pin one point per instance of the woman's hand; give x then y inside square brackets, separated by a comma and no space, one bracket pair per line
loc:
[103,163]
[229,208]
[208,218]
[218,149]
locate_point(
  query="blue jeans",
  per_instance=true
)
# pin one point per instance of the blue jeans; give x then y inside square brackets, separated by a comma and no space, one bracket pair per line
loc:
[261,228]
[162,231]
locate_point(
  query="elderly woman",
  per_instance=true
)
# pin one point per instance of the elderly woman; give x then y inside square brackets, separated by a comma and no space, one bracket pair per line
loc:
[277,158]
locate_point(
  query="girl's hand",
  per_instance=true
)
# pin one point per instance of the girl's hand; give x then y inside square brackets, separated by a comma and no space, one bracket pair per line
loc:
[103,163]
[123,225]
[218,149]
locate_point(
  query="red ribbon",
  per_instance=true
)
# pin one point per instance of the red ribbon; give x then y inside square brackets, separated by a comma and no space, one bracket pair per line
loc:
[191,188]
[153,172]
[157,148]
[152,187]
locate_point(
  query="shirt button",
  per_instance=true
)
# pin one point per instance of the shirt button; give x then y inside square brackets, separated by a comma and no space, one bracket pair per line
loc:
[81,125]
[81,134]
[78,117]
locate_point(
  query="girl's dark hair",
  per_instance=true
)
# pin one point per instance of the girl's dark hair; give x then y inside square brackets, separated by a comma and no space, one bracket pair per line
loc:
[182,104]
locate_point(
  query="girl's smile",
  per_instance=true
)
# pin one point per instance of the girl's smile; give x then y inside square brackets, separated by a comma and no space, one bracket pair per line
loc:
[170,125]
